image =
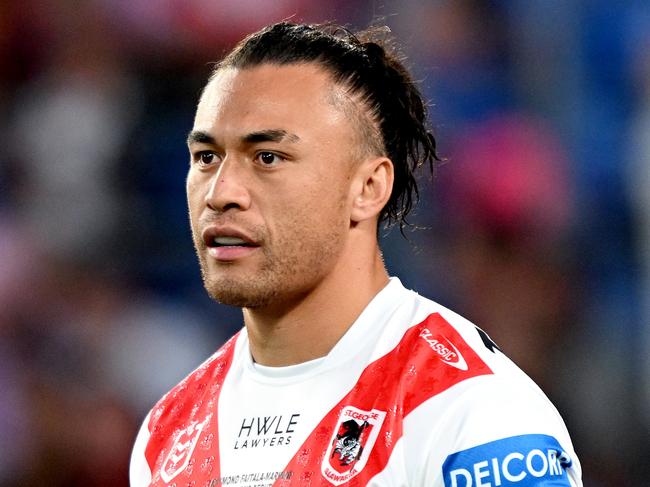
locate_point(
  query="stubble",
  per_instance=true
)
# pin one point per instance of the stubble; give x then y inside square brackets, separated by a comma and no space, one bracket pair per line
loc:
[291,265]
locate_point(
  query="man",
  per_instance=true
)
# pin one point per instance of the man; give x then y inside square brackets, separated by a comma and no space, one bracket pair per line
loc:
[305,140]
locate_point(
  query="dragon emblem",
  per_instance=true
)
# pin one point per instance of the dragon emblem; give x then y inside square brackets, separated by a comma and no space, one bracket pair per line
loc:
[347,442]
[353,438]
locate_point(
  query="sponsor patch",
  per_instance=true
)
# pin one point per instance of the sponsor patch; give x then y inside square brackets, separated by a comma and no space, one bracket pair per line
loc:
[520,461]
[354,436]
[446,350]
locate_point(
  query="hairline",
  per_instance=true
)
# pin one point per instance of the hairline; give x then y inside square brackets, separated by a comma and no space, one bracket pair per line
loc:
[352,105]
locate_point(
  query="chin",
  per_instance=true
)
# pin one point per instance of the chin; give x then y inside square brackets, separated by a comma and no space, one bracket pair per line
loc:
[242,295]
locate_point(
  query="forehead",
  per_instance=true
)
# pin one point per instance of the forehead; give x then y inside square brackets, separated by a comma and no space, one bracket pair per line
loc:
[295,97]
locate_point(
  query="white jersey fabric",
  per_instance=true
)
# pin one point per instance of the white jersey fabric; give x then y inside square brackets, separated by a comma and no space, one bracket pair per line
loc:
[412,395]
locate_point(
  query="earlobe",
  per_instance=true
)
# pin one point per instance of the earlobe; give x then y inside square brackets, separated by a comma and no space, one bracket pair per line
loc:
[372,189]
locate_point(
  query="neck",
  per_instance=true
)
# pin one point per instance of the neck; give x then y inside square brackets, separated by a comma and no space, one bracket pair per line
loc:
[309,327]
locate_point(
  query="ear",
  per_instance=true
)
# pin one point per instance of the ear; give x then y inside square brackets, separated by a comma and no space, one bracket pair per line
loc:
[372,187]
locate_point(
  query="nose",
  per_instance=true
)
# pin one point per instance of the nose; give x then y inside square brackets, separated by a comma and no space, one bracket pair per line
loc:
[228,188]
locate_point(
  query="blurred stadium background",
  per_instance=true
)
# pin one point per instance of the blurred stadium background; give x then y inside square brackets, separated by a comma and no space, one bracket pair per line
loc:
[538,223]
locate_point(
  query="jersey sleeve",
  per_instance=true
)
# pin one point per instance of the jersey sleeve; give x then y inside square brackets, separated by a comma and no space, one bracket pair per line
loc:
[498,431]
[139,471]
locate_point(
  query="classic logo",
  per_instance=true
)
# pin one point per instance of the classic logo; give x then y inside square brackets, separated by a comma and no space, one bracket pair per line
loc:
[447,352]
[355,434]
[181,450]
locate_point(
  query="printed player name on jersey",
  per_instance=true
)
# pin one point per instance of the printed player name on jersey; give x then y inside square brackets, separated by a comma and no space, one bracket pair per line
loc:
[252,479]
[266,431]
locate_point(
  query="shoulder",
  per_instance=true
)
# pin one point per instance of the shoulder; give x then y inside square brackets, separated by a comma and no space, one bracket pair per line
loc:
[452,337]
[180,405]
[491,414]
[207,378]
[178,413]
[490,430]
[486,383]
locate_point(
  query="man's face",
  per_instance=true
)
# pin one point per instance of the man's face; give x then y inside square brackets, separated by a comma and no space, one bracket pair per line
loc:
[272,159]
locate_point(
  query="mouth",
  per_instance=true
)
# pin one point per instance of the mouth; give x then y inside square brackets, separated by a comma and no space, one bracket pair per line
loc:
[227,245]
[229,242]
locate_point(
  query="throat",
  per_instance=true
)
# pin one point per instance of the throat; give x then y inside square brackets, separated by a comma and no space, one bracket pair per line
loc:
[308,328]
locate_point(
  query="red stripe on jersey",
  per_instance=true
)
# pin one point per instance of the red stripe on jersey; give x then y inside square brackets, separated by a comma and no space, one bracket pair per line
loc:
[184,441]
[430,358]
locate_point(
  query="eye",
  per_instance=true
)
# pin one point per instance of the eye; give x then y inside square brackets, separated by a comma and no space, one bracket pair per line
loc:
[205,158]
[268,158]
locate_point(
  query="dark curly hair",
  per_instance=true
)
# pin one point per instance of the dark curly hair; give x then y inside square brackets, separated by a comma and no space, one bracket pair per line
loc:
[370,70]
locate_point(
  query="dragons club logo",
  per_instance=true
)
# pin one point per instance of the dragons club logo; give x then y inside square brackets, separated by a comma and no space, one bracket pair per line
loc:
[181,450]
[354,435]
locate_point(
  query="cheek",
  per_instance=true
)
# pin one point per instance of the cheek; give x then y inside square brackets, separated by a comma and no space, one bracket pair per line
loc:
[301,213]
[324,206]
[194,197]
[334,197]
[330,186]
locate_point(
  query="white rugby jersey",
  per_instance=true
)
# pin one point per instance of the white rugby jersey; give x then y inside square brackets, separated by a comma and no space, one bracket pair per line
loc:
[412,395]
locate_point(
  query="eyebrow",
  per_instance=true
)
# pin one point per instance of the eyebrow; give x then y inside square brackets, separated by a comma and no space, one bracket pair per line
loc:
[270,135]
[200,137]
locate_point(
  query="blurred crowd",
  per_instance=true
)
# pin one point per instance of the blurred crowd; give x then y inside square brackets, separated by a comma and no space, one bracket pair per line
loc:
[536,226]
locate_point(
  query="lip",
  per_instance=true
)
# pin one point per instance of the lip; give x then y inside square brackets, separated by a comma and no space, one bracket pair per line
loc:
[231,252]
